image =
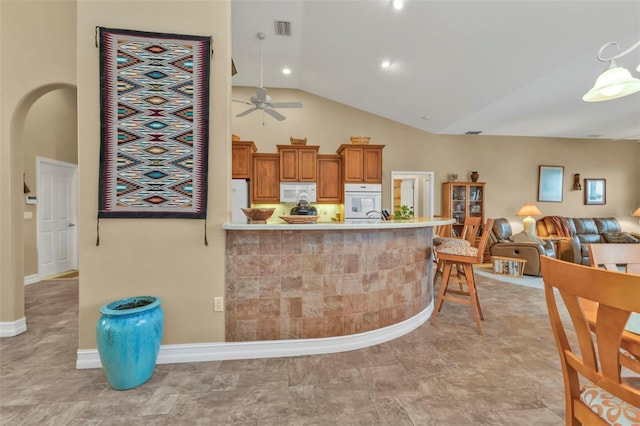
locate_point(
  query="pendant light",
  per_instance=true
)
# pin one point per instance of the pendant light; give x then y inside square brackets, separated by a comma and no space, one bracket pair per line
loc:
[614,82]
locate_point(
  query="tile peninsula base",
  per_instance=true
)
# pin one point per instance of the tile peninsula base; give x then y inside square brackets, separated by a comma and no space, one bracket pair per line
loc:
[299,284]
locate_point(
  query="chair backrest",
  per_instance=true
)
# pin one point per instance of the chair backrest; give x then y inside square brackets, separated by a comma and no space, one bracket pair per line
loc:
[484,239]
[501,230]
[471,227]
[609,256]
[598,360]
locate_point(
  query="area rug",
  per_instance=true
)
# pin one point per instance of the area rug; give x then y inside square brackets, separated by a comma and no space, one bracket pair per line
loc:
[154,94]
[486,270]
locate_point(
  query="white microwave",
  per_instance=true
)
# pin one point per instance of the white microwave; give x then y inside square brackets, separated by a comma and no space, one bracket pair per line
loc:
[290,191]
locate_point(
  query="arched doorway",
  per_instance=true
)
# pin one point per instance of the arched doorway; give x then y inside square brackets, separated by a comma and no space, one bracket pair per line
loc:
[24,125]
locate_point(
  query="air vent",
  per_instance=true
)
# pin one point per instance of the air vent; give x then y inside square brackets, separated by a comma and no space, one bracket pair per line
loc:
[473,132]
[283,28]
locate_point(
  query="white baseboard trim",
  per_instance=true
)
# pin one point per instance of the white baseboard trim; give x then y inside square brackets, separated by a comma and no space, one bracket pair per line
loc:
[31,279]
[13,328]
[200,352]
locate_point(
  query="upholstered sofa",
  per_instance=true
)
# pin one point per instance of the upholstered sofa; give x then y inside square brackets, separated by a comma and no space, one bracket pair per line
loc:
[574,235]
[503,243]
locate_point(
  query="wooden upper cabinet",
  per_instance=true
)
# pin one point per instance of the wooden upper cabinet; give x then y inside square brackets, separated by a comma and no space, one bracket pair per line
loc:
[298,163]
[361,163]
[241,154]
[265,185]
[329,188]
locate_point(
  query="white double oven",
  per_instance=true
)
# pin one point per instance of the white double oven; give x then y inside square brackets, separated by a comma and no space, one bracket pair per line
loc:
[362,199]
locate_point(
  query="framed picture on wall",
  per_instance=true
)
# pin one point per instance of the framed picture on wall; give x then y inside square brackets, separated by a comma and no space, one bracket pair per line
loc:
[550,180]
[595,191]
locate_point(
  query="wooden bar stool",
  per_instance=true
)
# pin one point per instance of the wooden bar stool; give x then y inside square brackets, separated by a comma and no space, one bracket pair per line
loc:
[465,258]
[467,238]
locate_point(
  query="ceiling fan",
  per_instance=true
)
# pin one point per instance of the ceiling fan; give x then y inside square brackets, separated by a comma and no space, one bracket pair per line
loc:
[262,101]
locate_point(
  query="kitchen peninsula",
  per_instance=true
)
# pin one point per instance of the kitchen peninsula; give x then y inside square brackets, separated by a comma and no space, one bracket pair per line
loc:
[326,280]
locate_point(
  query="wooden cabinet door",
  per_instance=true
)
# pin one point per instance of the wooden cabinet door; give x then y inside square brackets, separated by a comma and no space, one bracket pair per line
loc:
[265,184]
[297,163]
[288,165]
[241,152]
[307,165]
[329,188]
[353,165]
[372,165]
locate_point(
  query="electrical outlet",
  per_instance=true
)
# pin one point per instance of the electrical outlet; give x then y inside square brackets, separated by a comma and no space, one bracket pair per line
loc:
[218,304]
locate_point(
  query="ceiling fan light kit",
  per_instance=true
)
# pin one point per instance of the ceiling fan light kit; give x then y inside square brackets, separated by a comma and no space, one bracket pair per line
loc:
[614,82]
[262,101]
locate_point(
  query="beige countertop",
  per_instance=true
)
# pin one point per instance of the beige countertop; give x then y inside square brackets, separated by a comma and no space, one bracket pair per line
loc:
[419,222]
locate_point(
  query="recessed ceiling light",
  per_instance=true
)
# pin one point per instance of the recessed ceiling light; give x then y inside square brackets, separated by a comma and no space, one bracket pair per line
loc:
[398,4]
[385,64]
[426,117]
[286,71]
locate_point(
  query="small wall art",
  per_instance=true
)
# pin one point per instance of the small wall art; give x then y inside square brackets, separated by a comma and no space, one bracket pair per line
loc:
[595,191]
[550,179]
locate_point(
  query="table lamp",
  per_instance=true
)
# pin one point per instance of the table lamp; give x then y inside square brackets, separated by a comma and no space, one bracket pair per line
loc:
[529,223]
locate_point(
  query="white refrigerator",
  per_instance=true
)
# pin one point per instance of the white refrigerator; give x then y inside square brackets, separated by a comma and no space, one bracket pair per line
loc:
[239,199]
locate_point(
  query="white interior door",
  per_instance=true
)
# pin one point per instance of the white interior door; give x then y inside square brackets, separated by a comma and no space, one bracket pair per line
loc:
[57,217]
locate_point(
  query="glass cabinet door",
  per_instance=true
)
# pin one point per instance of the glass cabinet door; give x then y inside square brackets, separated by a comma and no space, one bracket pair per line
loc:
[459,199]
[475,200]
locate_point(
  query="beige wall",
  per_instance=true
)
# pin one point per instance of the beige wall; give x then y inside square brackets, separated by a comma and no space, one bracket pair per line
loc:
[509,165]
[50,131]
[162,257]
[167,257]
[28,70]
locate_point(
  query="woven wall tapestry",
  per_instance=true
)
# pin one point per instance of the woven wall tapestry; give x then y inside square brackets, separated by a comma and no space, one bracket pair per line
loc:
[154,124]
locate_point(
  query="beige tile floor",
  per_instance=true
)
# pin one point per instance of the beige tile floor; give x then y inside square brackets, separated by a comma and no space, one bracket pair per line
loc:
[436,375]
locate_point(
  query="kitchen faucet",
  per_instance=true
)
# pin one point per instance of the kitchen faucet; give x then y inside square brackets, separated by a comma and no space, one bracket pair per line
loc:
[376,211]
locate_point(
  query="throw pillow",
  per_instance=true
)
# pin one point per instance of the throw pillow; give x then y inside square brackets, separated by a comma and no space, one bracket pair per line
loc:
[620,237]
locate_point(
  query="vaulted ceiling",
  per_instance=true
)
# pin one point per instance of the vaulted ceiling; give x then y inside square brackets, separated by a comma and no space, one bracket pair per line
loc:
[517,67]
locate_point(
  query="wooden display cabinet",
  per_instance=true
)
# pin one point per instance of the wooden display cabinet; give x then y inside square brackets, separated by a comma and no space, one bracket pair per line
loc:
[241,154]
[329,189]
[298,163]
[462,199]
[361,163]
[265,185]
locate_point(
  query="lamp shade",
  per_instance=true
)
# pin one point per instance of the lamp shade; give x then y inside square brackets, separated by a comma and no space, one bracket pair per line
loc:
[528,210]
[636,213]
[615,82]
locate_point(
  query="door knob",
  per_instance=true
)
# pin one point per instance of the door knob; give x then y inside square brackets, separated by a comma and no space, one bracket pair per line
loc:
[72,224]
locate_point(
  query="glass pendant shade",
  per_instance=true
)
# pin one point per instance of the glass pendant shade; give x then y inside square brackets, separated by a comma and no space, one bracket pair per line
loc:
[615,82]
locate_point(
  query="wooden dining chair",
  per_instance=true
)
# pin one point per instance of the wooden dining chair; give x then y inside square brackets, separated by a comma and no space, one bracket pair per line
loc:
[615,256]
[463,257]
[595,392]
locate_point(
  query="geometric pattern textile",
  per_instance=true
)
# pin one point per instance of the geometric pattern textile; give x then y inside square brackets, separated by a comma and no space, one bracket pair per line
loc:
[154,111]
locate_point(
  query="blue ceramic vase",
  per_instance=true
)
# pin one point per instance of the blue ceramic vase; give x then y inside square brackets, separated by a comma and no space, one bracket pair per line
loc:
[129,333]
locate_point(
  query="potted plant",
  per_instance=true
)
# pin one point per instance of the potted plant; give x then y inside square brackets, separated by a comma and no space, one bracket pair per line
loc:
[402,212]
[128,334]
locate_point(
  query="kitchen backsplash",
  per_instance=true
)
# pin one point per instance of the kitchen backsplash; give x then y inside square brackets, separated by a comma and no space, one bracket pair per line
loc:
[326,212]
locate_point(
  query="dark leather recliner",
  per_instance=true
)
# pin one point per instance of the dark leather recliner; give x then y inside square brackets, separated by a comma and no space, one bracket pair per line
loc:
[502,244]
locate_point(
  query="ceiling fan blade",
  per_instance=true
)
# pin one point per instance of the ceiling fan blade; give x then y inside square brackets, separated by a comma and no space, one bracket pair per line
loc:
[261,94]
[275,114]
[286,105]
[243,113]
[242,102]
